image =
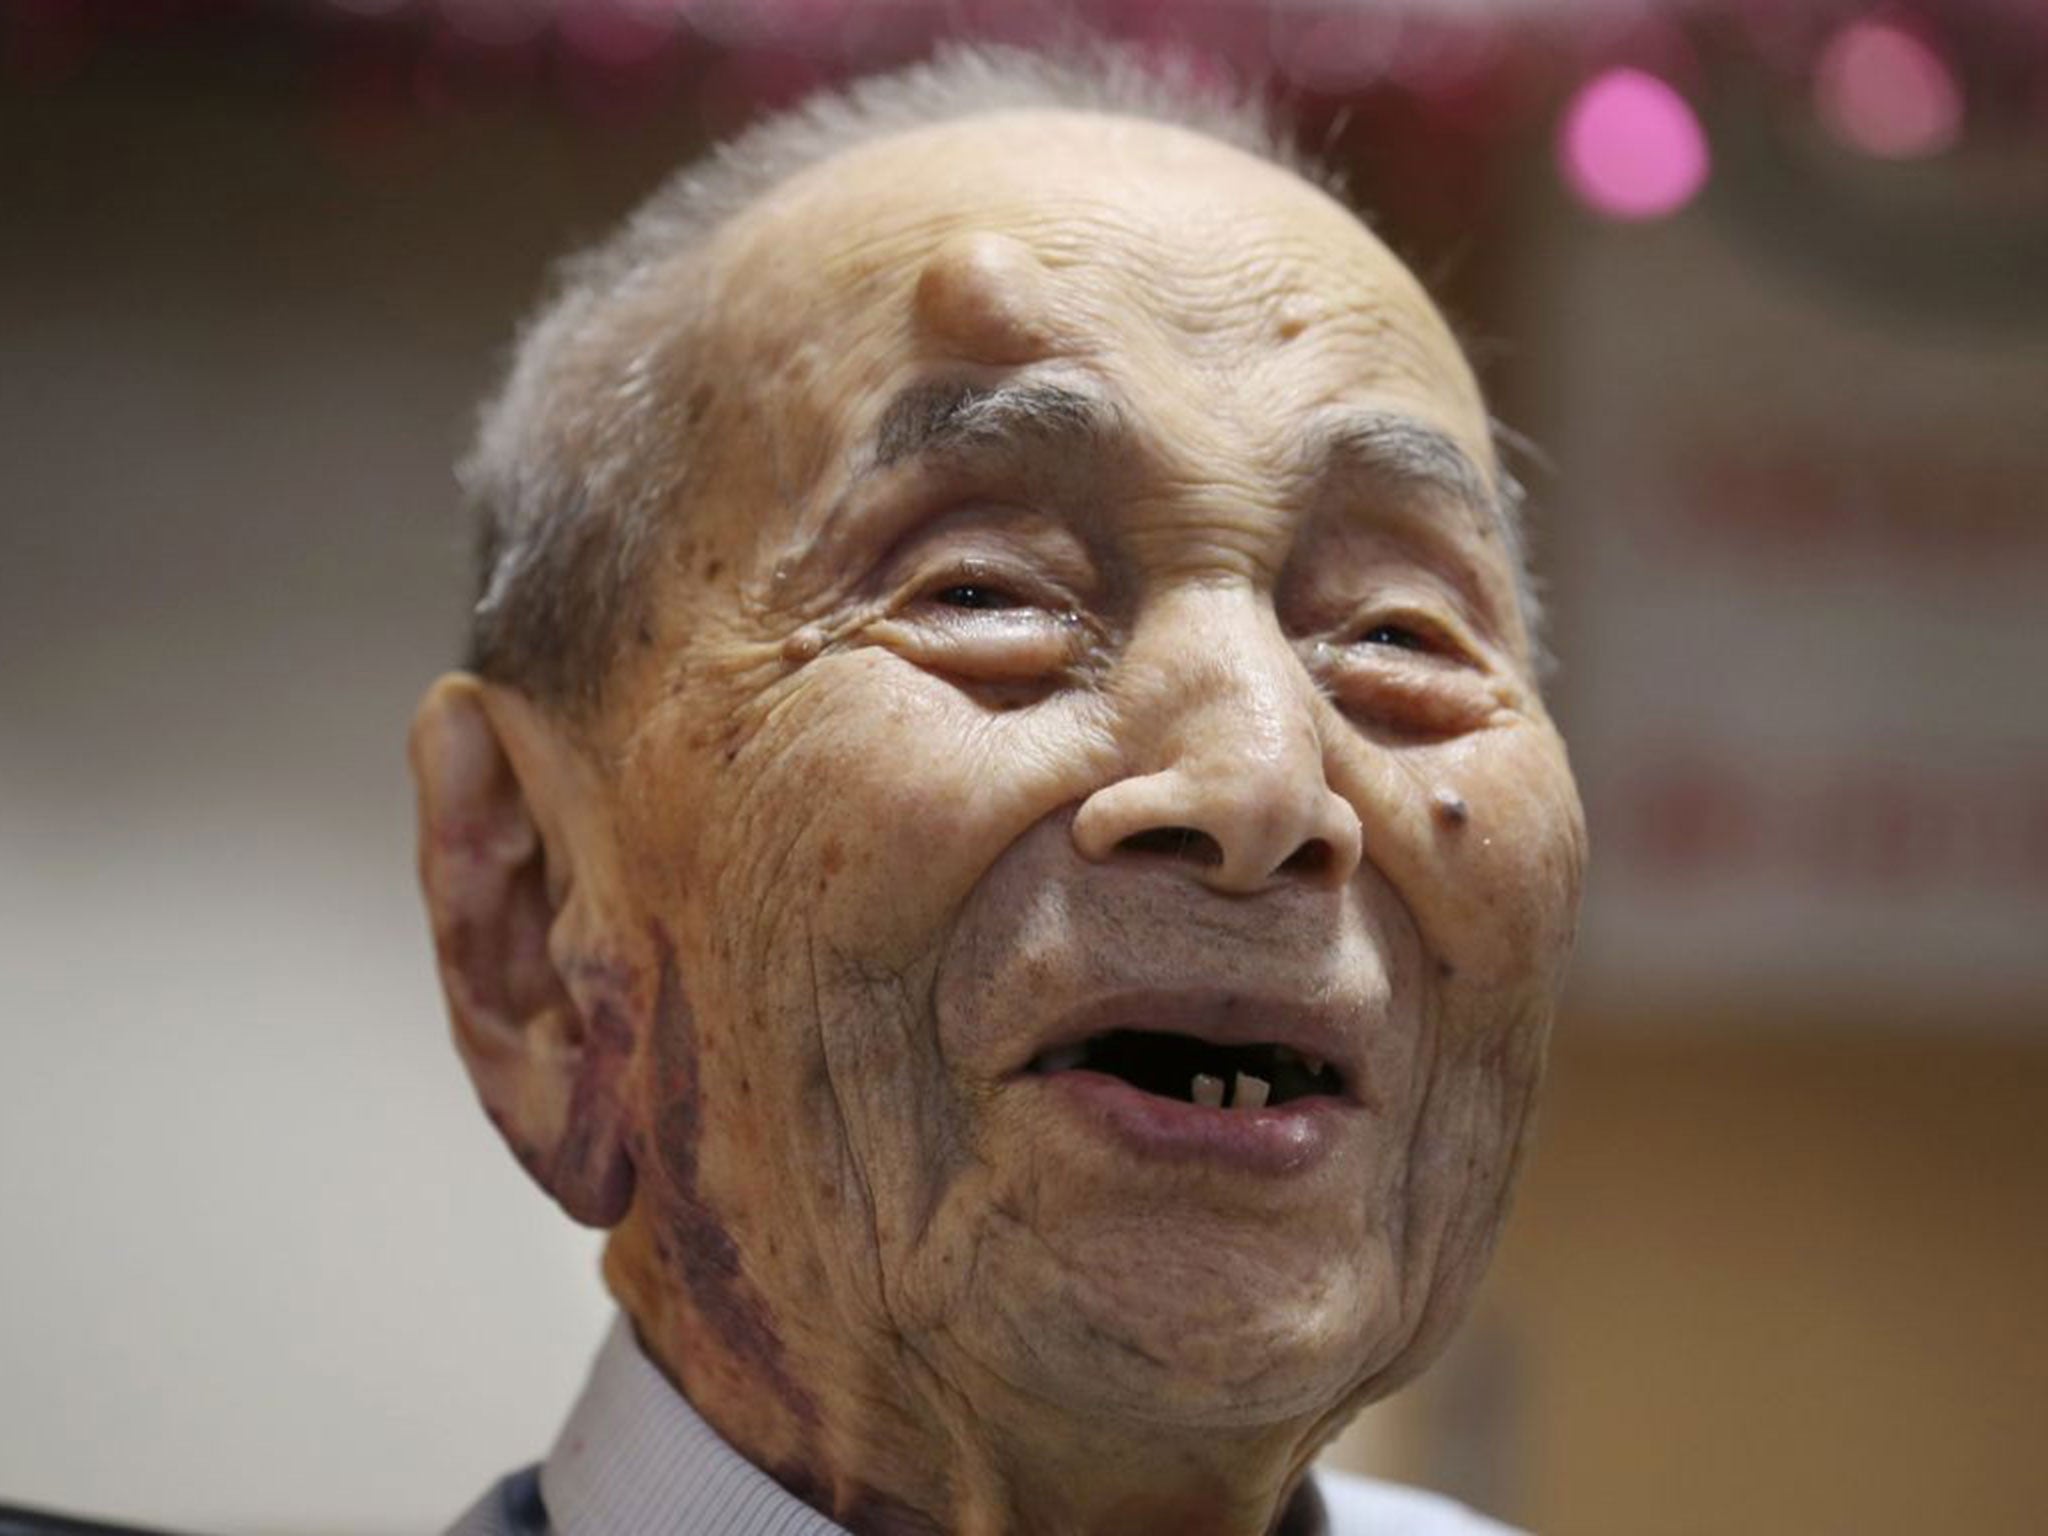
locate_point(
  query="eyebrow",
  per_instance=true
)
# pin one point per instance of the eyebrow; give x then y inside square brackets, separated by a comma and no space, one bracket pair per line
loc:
[942,416]
[937,417]
[1409,451]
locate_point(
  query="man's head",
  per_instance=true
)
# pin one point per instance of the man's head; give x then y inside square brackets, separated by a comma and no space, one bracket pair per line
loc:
[1008,623]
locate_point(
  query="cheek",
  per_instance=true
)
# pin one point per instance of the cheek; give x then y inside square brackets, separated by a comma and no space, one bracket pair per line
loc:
[819,874]
[1462,1155]
[875,796]
[696,1123]
[1496,892]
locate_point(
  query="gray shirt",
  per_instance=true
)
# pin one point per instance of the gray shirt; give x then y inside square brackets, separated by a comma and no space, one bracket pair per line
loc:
[634,1459]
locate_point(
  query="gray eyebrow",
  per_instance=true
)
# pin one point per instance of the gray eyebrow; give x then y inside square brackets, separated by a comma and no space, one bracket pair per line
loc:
[949,415]
[935,417]
[1389,443]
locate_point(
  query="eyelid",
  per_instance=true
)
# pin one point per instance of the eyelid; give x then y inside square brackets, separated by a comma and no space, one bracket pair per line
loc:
[1028,553]
[1434,692]
[1443,638]
[1028,589]
[1033,638]
[1357,562]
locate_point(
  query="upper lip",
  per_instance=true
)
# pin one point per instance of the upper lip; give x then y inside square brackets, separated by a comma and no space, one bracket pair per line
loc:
[1324,1032]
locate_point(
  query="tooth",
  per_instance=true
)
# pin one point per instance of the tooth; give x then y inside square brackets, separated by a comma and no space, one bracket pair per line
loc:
[1250,1092]
[1207,1090]
[1315,1065]
[1064,1059]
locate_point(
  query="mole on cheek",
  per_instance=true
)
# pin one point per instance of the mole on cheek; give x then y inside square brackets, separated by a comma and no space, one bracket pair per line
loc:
[1450,808]
[807,644]
[985,296]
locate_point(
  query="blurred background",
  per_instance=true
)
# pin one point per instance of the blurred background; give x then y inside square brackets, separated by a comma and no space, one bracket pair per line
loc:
[1767,284]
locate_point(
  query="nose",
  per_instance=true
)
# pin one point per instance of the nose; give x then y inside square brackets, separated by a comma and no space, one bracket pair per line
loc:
[1223,722]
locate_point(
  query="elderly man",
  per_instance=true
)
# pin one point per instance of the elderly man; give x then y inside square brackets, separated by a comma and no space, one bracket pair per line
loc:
[1001,835]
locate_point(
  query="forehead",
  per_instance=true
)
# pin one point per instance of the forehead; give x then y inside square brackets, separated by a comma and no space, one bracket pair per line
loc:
[1144,248]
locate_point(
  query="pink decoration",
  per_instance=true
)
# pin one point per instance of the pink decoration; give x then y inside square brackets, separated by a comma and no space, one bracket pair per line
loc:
[1884,90]
[1630,147]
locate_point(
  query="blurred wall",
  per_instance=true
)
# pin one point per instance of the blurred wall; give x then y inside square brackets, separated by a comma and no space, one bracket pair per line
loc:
[266,1266]
[1785,1285]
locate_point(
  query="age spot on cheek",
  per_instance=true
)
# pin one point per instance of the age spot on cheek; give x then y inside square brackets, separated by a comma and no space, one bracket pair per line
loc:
[831,859]
[704,1251]
[984,296]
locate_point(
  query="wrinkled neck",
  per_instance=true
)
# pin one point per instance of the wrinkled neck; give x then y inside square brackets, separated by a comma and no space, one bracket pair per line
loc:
[866,1432]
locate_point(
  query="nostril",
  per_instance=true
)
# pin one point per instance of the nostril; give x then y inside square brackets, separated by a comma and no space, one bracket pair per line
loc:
[1175,843]
[1313,857]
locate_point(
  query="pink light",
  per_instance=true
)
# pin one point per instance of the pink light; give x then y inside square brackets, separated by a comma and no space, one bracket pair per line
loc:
[1630,147]
[1882,90]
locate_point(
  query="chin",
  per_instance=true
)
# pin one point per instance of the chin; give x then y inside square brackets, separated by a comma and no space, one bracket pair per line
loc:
[1199,1329]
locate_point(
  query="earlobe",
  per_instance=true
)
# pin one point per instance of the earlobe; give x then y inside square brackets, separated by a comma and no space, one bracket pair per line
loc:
[499,842]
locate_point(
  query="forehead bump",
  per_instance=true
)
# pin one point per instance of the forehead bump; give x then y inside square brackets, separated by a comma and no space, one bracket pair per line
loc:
[985,297]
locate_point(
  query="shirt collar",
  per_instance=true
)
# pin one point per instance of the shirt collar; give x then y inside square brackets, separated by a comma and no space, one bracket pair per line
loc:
[635,1459]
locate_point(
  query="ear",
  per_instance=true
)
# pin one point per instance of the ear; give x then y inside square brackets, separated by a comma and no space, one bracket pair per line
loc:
[512,864]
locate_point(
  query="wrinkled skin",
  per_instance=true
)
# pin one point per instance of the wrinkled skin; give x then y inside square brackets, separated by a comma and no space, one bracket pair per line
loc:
[865,818]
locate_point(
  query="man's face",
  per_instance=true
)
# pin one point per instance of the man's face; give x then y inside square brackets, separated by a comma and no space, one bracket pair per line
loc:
[1088,660]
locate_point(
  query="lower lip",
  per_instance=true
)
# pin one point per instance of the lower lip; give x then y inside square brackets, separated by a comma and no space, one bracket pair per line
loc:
[1292,1138]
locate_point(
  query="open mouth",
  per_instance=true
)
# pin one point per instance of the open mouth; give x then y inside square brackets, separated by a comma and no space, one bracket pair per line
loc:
[1195,1071]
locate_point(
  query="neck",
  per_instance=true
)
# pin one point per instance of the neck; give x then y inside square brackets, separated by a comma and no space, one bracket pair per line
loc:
[1098,1477]
[879,1441]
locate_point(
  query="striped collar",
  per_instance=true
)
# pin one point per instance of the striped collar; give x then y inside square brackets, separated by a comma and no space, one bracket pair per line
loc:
[634,1459]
